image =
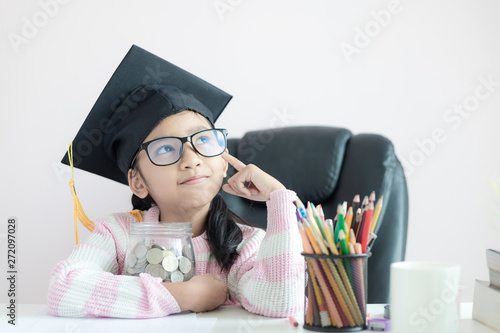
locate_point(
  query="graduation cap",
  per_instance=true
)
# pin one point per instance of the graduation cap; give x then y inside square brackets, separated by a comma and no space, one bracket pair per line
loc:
[143,90]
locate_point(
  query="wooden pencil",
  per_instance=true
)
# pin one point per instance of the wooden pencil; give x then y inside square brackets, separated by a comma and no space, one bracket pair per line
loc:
[376,213]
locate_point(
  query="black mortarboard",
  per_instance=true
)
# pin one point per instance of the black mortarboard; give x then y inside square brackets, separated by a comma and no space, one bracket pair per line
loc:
[143,90]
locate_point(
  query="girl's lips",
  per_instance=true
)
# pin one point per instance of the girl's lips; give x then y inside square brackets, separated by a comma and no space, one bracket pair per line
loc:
[194,180]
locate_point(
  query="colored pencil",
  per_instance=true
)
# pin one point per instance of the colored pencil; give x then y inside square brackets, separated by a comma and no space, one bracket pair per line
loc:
[348,221]
[357,222]
[365,225]
[376,213]
[340,223]
[356,203]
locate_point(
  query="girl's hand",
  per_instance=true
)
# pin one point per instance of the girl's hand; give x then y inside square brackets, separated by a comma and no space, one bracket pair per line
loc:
[202,293]
[260,184]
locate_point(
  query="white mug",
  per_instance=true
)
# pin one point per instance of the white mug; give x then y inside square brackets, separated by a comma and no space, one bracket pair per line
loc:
[425,297]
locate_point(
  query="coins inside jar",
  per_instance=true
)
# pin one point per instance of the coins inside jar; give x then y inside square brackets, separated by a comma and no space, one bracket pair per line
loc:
[160,262]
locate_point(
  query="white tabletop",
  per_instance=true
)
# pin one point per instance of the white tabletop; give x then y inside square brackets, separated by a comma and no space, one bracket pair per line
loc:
[34,318]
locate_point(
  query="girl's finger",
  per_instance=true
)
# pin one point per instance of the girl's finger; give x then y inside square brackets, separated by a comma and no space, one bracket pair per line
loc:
[236,163]
[237,183]
[229,189]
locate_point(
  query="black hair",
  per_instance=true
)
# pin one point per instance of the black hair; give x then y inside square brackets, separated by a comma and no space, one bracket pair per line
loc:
[223,234]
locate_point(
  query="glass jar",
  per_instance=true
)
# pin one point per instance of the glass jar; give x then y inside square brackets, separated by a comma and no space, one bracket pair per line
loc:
[162,249]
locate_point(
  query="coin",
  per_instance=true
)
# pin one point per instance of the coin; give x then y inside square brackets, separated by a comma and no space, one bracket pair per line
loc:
[185,265]
[131,260]
[132,270]
[168,253]
[170,263]
[188,252]
[156,270]
[157,246]
[154,256]
[177,276]
[140,250]
[141,263]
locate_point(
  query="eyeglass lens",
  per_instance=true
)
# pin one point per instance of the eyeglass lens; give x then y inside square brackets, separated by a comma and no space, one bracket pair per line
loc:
[168,150]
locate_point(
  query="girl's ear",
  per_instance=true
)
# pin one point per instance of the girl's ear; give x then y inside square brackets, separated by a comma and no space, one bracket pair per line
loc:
[226,165]
[136,184]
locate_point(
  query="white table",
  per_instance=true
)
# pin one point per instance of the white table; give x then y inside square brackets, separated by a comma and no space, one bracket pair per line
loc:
[34,318]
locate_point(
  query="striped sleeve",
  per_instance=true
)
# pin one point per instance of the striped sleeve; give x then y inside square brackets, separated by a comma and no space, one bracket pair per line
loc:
[87,284]
[268,275]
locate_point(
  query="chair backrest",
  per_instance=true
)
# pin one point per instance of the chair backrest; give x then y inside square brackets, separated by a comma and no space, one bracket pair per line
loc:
[329,165]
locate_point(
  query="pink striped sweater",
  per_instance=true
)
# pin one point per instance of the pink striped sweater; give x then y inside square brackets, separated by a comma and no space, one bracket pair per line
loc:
[267,277]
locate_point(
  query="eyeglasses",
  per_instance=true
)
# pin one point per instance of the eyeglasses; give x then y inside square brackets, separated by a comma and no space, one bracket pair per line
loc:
[168,150]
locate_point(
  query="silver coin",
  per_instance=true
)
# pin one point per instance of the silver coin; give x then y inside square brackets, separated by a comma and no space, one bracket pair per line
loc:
[185,265]
[140,250]
[154,256]
[157,246]
[131,260]
[187,252]
[132,270]
[168,253]
[167,276]
[177,276]
[157,270]
[141,263]
[140,268]
[170,263]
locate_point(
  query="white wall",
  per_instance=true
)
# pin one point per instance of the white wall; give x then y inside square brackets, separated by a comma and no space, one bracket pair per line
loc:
[276,58]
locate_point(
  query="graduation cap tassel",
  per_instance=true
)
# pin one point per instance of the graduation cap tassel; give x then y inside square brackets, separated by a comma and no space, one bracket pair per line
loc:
[78,213]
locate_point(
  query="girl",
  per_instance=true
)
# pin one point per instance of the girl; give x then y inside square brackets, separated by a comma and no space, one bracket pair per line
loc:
[235,263]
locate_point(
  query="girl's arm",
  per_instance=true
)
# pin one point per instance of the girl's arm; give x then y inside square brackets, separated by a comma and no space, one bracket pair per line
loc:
[268,276]
[87,285]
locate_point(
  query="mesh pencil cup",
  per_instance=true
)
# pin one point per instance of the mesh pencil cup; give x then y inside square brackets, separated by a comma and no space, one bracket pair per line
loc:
[336,291]
[163,250]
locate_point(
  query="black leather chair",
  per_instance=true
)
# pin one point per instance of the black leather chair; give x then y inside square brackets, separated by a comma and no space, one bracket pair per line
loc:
[330,165]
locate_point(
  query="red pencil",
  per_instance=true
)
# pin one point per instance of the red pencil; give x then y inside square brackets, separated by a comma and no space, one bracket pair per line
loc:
[365,225]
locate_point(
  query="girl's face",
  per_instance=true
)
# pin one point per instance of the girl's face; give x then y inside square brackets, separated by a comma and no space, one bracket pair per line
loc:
[191,182]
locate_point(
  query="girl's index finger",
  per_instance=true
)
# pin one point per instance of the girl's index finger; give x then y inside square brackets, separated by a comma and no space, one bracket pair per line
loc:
[236,163]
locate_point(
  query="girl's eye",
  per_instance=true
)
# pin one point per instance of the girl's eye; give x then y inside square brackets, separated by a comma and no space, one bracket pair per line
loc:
[203,140]
[164,150]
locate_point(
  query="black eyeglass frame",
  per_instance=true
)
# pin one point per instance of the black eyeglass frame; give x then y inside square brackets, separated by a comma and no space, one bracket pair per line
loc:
[185,139]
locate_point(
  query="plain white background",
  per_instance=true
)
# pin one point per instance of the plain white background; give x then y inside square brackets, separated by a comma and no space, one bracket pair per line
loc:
[402,69]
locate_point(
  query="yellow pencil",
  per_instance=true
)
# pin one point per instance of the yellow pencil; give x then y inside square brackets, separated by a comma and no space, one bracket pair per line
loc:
[352,237]
[348,221]
[376,213]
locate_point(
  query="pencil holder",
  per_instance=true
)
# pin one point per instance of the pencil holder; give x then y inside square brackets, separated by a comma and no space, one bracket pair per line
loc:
[336,292]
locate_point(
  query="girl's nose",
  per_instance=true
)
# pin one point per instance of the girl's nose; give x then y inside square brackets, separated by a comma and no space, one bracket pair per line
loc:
[190,157]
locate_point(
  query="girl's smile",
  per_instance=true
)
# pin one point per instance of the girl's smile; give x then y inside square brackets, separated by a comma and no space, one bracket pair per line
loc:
[194,180]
